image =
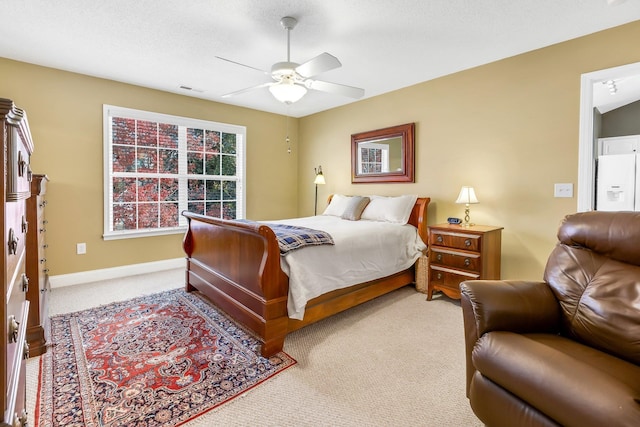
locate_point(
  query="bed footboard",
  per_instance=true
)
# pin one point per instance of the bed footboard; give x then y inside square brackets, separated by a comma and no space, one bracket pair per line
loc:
[237,266]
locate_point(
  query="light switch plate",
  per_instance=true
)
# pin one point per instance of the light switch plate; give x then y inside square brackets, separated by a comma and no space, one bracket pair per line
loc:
[563,190]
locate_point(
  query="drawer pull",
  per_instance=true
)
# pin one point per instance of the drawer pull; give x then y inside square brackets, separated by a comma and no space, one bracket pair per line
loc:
[43,260]
[25,224]
[45,246]
[22,420]
[22,164]
[467,242]
[25,283]
[467,262]
[439,257]
[42,230]
[46,271]
[439,276]
[439,239]
[13,242]
[14,327]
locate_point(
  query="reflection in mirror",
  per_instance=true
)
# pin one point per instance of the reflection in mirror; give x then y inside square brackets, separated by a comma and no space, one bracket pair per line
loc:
[383,155]
[380,156]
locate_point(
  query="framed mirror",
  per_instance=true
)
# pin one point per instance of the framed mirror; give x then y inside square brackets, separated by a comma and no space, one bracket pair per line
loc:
[383,155]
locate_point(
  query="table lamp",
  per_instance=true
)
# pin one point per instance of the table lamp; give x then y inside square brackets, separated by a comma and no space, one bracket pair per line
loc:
[467,196]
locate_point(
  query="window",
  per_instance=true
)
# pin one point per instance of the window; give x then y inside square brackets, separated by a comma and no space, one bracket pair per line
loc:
[157,166]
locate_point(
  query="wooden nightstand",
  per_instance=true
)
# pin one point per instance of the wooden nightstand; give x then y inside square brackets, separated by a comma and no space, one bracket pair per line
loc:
[458,253]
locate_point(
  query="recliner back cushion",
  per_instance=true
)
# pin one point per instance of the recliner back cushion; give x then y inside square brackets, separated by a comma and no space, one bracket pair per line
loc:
[598,290]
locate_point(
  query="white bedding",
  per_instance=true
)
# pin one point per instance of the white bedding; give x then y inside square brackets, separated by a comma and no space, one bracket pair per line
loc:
[363,251]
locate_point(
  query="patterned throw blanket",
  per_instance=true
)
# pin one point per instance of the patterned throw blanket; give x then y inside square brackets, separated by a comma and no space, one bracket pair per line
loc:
[291,237]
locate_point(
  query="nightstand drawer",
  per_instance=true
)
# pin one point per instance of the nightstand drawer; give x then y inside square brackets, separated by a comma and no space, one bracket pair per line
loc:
[449,278]
[468,242]
[462,260]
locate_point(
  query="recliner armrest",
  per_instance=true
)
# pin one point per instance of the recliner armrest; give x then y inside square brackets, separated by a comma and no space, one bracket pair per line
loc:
[514,306]
[505,305]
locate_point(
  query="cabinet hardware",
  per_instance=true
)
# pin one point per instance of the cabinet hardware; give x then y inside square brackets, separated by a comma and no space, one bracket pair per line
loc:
[25,283]
[467,262]
[13,242]
[439,239]
[467,242]
[14,327]
[25,350]
[22,420]
[22,164]
[439,257]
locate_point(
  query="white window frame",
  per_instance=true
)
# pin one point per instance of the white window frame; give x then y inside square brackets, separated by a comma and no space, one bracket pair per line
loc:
[110,111]
[384,162]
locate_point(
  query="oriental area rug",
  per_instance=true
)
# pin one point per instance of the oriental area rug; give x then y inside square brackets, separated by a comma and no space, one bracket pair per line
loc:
[158,360]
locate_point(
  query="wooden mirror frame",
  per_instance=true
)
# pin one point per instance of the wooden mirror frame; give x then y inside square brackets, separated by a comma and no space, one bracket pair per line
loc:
[406,133]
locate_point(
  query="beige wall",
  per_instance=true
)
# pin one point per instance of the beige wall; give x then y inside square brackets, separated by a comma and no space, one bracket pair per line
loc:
[65,116]
[509,128]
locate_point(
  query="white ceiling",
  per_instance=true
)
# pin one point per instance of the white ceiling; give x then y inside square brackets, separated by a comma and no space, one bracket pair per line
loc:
[383,45]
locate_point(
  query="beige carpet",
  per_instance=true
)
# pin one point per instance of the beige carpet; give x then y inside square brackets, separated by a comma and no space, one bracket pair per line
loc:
[395,361]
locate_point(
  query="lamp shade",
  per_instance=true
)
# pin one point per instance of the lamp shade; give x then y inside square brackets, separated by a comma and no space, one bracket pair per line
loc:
[287,91]
[319,177]
[467,195]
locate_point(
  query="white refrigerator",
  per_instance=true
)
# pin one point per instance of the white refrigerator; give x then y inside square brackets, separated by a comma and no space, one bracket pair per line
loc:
[618,182]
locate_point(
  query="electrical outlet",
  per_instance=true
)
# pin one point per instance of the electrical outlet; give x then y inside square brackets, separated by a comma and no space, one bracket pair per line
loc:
[563,190]
[81,248]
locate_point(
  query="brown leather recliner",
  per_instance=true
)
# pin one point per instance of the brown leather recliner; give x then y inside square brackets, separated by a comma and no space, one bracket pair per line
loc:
[565,351]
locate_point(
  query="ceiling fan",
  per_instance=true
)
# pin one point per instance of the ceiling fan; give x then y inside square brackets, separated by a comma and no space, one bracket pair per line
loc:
[291,80]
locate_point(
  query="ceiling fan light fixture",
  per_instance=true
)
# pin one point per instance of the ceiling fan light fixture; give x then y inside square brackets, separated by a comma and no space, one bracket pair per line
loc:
[288,92]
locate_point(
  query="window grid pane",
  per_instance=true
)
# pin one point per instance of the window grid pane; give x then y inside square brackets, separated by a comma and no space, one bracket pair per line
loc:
[147,186]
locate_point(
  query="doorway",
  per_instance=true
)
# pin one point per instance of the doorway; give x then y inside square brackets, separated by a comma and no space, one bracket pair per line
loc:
[587,149]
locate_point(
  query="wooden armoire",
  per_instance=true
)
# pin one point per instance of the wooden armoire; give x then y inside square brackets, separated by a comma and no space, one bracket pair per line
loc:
[16,189]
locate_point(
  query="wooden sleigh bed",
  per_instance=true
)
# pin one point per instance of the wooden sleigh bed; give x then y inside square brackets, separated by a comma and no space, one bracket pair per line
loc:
[236,265]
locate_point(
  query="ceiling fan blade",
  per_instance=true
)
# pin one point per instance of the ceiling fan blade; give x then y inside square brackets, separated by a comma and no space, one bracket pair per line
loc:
[244,65]
[350,91]
[319,64]
[249,89]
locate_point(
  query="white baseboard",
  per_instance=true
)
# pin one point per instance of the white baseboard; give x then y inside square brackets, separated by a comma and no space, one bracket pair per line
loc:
[62,280]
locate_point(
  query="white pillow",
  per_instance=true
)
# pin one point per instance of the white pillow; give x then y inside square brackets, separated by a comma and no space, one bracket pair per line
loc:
[390,209]
[338,205]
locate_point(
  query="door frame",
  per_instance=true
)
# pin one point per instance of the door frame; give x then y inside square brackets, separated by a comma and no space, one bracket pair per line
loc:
[587,143]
